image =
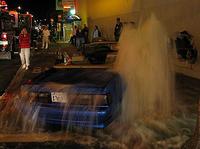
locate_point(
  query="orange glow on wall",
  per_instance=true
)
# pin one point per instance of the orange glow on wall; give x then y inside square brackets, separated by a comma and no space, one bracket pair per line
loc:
[68,4]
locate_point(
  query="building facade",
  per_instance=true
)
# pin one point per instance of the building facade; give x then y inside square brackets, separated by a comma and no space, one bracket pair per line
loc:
[175,15]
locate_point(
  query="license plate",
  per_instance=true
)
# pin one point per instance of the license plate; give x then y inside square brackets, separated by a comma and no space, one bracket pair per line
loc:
[3,42]
[58,97]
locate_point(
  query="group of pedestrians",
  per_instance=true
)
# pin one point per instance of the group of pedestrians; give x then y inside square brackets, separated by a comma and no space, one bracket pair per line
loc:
[117,31]
[81,36]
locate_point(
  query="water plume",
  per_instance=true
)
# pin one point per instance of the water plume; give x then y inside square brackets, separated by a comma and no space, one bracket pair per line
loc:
[143,62]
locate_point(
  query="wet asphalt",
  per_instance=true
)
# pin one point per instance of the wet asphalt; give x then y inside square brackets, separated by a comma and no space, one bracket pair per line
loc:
[187,89]
[40,61]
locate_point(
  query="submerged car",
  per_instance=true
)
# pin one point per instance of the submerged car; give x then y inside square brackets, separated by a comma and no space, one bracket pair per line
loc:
[76,97]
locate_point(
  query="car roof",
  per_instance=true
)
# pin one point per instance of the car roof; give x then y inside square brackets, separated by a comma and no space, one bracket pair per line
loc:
[95,77]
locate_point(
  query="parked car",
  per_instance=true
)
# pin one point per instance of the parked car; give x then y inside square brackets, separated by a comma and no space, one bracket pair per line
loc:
[75,97]
[97,52]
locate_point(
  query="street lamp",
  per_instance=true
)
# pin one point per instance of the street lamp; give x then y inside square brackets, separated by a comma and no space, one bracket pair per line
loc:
[72,11]
[19,8]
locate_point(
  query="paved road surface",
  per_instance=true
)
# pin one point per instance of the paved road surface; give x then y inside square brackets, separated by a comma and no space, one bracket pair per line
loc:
[187,92]
[40,61]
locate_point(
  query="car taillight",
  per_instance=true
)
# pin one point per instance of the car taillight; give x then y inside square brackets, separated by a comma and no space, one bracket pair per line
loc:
[43,95]
[4,36]
[29,82]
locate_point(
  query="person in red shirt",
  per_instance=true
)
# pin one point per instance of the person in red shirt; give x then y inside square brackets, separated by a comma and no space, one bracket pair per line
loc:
[24,45]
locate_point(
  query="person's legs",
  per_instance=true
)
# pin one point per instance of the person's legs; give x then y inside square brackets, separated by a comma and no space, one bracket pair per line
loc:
[74,40]
[27,57]
[116,38]
[22,57]
[43,43]
[78,42]
[71,40]
[82,42]
[46,43]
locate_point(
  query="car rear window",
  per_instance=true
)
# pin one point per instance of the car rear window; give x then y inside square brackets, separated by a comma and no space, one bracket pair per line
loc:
[97,77]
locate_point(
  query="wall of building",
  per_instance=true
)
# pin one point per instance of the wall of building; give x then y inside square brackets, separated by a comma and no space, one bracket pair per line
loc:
[174,15]
[82,10]
[104,13]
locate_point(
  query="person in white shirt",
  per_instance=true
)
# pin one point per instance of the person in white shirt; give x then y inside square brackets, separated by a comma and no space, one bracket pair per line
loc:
[96,33]
[45,38]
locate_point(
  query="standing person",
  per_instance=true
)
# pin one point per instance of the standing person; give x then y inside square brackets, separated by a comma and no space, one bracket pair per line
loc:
[34,38]
[118,29]
[45,38]
[73,37]
[79,38]
[96,33]
[24,45]
[85,31]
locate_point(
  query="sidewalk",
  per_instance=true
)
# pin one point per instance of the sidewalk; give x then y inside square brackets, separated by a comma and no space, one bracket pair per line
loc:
[184,68]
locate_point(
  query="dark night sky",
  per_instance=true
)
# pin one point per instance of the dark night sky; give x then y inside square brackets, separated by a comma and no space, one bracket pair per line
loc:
[41,9]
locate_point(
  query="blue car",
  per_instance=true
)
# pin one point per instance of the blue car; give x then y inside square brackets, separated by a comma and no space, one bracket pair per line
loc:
[88,98]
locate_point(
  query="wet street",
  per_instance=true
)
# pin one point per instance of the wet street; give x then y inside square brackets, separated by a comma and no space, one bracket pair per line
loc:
[41,60]
[117,74]
[115,135]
